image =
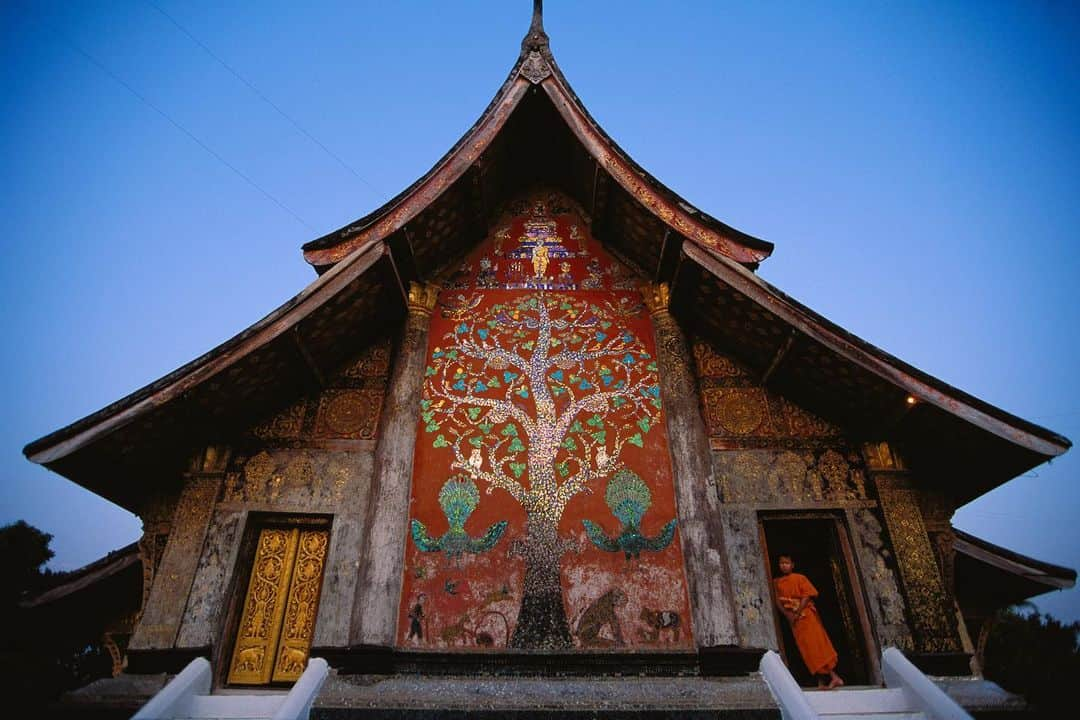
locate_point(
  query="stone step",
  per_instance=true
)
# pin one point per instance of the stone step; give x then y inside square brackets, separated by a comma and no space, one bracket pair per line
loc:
[877,716]
[232,707]
[876,700]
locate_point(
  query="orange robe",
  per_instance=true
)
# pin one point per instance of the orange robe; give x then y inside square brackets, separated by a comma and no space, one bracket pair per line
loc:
[814,645]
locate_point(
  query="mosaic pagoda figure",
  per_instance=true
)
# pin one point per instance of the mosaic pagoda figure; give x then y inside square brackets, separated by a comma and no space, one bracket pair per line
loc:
[539,415]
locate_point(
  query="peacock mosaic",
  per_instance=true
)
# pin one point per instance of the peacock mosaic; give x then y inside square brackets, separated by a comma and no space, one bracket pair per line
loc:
[543,511]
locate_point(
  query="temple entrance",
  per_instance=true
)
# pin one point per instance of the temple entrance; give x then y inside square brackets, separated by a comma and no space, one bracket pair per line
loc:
[277,618]
[819,547]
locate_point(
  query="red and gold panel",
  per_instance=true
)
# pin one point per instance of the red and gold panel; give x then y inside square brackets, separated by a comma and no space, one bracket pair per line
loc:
[543,510]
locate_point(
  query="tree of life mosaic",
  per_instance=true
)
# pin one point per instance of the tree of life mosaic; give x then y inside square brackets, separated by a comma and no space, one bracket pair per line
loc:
[543,513]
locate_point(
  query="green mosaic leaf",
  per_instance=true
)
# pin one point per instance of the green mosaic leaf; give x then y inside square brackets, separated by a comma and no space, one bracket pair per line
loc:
[440,441]
[493,382]
[605,324]
[429,371]
[569,444]
[557,390]
[510,430]
[517,469]
[427,415]
[595,421]
[576,427]
[516,446]
[476,441]
[452,355]
[431,427]
[474,412]
[563,468]
[656,403]
[618,401]
[425,404]
[635,439]
[652,366]
[644,424]
[600,436]
[485,427]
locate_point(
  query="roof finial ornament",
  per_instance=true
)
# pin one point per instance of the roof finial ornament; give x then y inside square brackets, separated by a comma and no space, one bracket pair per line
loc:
[534,66]
[536,38]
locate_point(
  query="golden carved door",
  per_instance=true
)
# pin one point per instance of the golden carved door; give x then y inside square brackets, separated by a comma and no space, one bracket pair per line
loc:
[278,617]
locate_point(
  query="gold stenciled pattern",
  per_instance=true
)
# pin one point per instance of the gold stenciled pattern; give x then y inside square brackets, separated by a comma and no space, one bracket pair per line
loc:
[802,476]
[934,629]
[348,409]
[738,410]
[302,605]
[286,476]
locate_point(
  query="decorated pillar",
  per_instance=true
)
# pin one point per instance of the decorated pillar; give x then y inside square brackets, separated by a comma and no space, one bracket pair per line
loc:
[929,604]
[698,506]
[163,610]
[374,614]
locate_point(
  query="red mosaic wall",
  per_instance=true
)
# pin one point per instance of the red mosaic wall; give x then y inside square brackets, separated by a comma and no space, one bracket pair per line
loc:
[543,512]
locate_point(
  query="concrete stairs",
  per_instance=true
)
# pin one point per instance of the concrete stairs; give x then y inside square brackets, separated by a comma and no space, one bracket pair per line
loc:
[908,695]
[188,697]
[864,703]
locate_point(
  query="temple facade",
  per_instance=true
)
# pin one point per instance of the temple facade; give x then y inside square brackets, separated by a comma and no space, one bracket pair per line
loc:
[539,414]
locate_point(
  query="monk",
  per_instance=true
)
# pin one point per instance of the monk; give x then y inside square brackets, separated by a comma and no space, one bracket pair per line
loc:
[795,598]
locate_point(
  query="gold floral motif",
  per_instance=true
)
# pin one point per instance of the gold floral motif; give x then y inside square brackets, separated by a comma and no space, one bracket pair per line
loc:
[746,471]
[348,414]
[934,628]
[374,361]
[805,424]
[712,364]
[422,298]
[260,623]
[834,468]
[300,473]
[302,606]
[657,297]
[257,472]
[286,424]
[787,475]
[738,411]
[882,456]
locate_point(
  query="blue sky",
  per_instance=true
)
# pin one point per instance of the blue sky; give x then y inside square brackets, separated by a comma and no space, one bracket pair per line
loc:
[916,164]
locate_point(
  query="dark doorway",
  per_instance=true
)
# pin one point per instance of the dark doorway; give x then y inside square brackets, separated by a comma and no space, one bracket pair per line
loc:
[818,545]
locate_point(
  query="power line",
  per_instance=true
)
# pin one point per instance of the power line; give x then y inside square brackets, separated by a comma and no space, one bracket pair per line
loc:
[263,97]
[101,66]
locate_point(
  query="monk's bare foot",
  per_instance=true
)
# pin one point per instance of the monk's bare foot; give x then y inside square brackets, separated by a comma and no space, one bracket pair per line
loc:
[835,682]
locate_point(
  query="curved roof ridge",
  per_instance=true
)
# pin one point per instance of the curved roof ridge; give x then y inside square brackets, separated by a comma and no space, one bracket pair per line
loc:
[536,65]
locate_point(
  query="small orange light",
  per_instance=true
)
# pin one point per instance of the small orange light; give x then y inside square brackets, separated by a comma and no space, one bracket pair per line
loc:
[911,400]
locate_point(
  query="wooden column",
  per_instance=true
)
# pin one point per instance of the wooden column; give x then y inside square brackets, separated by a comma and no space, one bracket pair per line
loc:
[698,507]
[932,617]
[168,597]
[378,591]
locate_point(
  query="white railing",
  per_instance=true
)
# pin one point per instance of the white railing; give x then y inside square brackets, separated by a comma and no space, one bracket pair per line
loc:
[787,693]
[188,696]
[174,699]
[924,694]
[297,705]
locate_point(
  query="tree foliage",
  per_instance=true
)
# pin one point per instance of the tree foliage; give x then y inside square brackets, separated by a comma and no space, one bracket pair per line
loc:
[1036,656]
